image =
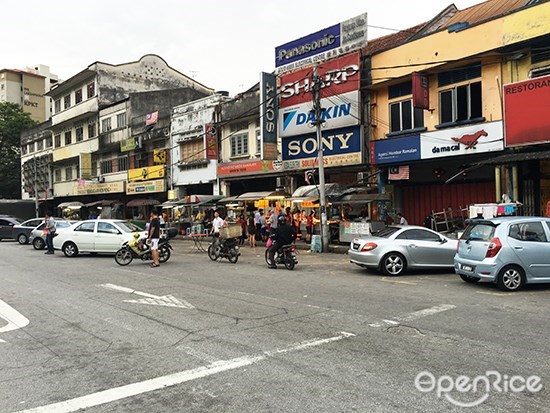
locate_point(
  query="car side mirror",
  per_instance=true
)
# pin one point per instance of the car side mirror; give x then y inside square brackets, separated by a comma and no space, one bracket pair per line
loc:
[443,240]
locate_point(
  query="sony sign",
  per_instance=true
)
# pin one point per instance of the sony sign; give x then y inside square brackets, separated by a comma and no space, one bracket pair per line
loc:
[325,44]
[268,116]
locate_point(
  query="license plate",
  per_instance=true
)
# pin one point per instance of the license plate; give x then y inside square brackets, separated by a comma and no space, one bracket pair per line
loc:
[467,268]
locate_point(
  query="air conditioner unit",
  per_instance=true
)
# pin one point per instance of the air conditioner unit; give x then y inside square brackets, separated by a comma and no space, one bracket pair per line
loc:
[101,178]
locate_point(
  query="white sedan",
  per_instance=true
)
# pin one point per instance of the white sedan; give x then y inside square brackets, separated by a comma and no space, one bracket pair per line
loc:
[96,236]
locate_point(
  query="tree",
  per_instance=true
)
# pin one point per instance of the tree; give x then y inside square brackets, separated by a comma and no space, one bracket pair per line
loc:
[12,122]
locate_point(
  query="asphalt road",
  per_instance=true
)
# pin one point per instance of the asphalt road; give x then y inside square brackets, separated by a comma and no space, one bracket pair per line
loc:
[195,336]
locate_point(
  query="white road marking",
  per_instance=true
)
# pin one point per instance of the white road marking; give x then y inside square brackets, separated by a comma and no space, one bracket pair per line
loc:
[164,300]
[15,319]
[414,316]
[129,390]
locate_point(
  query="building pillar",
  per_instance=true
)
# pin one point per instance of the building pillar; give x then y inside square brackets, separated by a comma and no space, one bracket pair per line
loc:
[498,192]
[515,186]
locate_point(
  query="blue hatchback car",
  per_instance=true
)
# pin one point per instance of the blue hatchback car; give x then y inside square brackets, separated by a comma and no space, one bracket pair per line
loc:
[510,251]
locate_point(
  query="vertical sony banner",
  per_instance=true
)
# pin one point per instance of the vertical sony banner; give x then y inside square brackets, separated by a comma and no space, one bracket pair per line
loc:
[420,91]
[268,115]
[211,141]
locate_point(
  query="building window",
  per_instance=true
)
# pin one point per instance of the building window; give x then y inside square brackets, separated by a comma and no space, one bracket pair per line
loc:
[57,105]
[67,101]
[401,89]
[459,75]
[79,134]
[49,142]
[123,163]
[91,130]
[461,103]
[57,175]
[31,147]
[238,126]
[105,125]
[404,117]
[68,138]
[78,96]
[24,150]
[94,168]
[258,141]
[69,173]
[106,167]
[239,144]
[57,139]
[141,160]
[192,151]
[91,90]
[40,145]
[121,120]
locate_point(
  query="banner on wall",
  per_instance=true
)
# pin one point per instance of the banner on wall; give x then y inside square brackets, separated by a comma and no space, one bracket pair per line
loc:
[268,116]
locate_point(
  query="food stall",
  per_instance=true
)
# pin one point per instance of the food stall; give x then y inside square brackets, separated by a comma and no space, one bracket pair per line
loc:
[359,215]
[193,213]
[139,210]
[105,209]
[70,210]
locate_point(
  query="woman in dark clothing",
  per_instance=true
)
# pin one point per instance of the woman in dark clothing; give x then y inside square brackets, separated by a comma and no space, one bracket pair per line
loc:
[242,221]
[251,231]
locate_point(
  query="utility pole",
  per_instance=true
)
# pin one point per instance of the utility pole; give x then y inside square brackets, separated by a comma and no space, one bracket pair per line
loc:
[35,189]
[317,110]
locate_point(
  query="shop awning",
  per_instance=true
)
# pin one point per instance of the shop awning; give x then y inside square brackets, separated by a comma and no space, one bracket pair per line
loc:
[142,202]
[331,190]
[360,198]
[70,204]
[229,199]
[254,196]
[199,199]
[515,157]
[301,199]
[104,202]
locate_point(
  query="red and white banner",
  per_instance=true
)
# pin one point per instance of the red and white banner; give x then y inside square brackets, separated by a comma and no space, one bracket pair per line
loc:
[339,76]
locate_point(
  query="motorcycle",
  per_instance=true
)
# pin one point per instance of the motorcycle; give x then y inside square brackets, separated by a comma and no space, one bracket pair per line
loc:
[226,248]
[286,255]
[138,248]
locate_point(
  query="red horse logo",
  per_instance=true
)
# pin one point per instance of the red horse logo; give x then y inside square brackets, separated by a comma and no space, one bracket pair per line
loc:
[470,140]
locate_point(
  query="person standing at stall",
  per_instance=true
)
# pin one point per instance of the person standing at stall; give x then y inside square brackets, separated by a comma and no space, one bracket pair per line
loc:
[309,225]
[252,231]
[242,222]
[258,224]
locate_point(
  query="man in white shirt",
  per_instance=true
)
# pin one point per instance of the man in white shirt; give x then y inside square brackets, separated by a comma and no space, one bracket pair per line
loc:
[217,224]
[401,219]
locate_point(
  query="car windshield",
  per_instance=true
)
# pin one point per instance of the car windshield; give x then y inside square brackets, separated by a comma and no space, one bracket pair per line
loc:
[386,232]
[478,232]
[128,227]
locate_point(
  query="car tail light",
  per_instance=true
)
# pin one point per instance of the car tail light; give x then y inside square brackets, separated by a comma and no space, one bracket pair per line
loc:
[494,248]
[369,246]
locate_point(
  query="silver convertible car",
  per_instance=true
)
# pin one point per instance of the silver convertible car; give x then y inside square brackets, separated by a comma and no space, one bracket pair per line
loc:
[398,248]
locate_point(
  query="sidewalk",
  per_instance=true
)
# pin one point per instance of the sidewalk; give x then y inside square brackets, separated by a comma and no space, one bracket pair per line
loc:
[301,245]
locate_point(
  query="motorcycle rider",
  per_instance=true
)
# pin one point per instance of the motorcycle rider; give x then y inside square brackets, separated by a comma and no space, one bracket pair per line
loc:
[217,224]
[284,234]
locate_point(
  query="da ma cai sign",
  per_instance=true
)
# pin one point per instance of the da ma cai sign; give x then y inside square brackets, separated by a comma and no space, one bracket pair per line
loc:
[323,45]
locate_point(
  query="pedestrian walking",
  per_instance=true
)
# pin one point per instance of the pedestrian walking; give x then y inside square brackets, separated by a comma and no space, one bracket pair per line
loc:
[49,228]
[258,224]
[263,225]
[242,221]
[154,237]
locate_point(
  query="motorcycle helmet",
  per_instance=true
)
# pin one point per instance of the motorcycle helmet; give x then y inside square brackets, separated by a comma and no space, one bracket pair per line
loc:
[281,219]
[136,235]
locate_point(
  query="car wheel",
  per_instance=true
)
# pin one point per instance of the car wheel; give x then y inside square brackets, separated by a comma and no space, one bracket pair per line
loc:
[70,249]
[394,264]
[39,244]
[511,278]
[469,279]
[22,239]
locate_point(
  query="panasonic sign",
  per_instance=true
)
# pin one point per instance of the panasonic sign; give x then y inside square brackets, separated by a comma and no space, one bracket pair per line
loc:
[325,44]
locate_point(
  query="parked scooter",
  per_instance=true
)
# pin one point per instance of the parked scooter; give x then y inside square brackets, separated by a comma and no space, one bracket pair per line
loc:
[225,248]
[286,255]
[138,248]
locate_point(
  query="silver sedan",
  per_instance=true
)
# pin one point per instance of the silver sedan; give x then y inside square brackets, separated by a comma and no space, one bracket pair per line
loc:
[398,248]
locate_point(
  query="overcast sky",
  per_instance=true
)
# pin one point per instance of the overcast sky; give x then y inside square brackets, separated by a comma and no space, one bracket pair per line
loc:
[222,44]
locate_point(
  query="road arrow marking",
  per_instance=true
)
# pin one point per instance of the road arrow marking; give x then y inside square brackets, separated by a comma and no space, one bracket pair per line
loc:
[165,300]
[15,319]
